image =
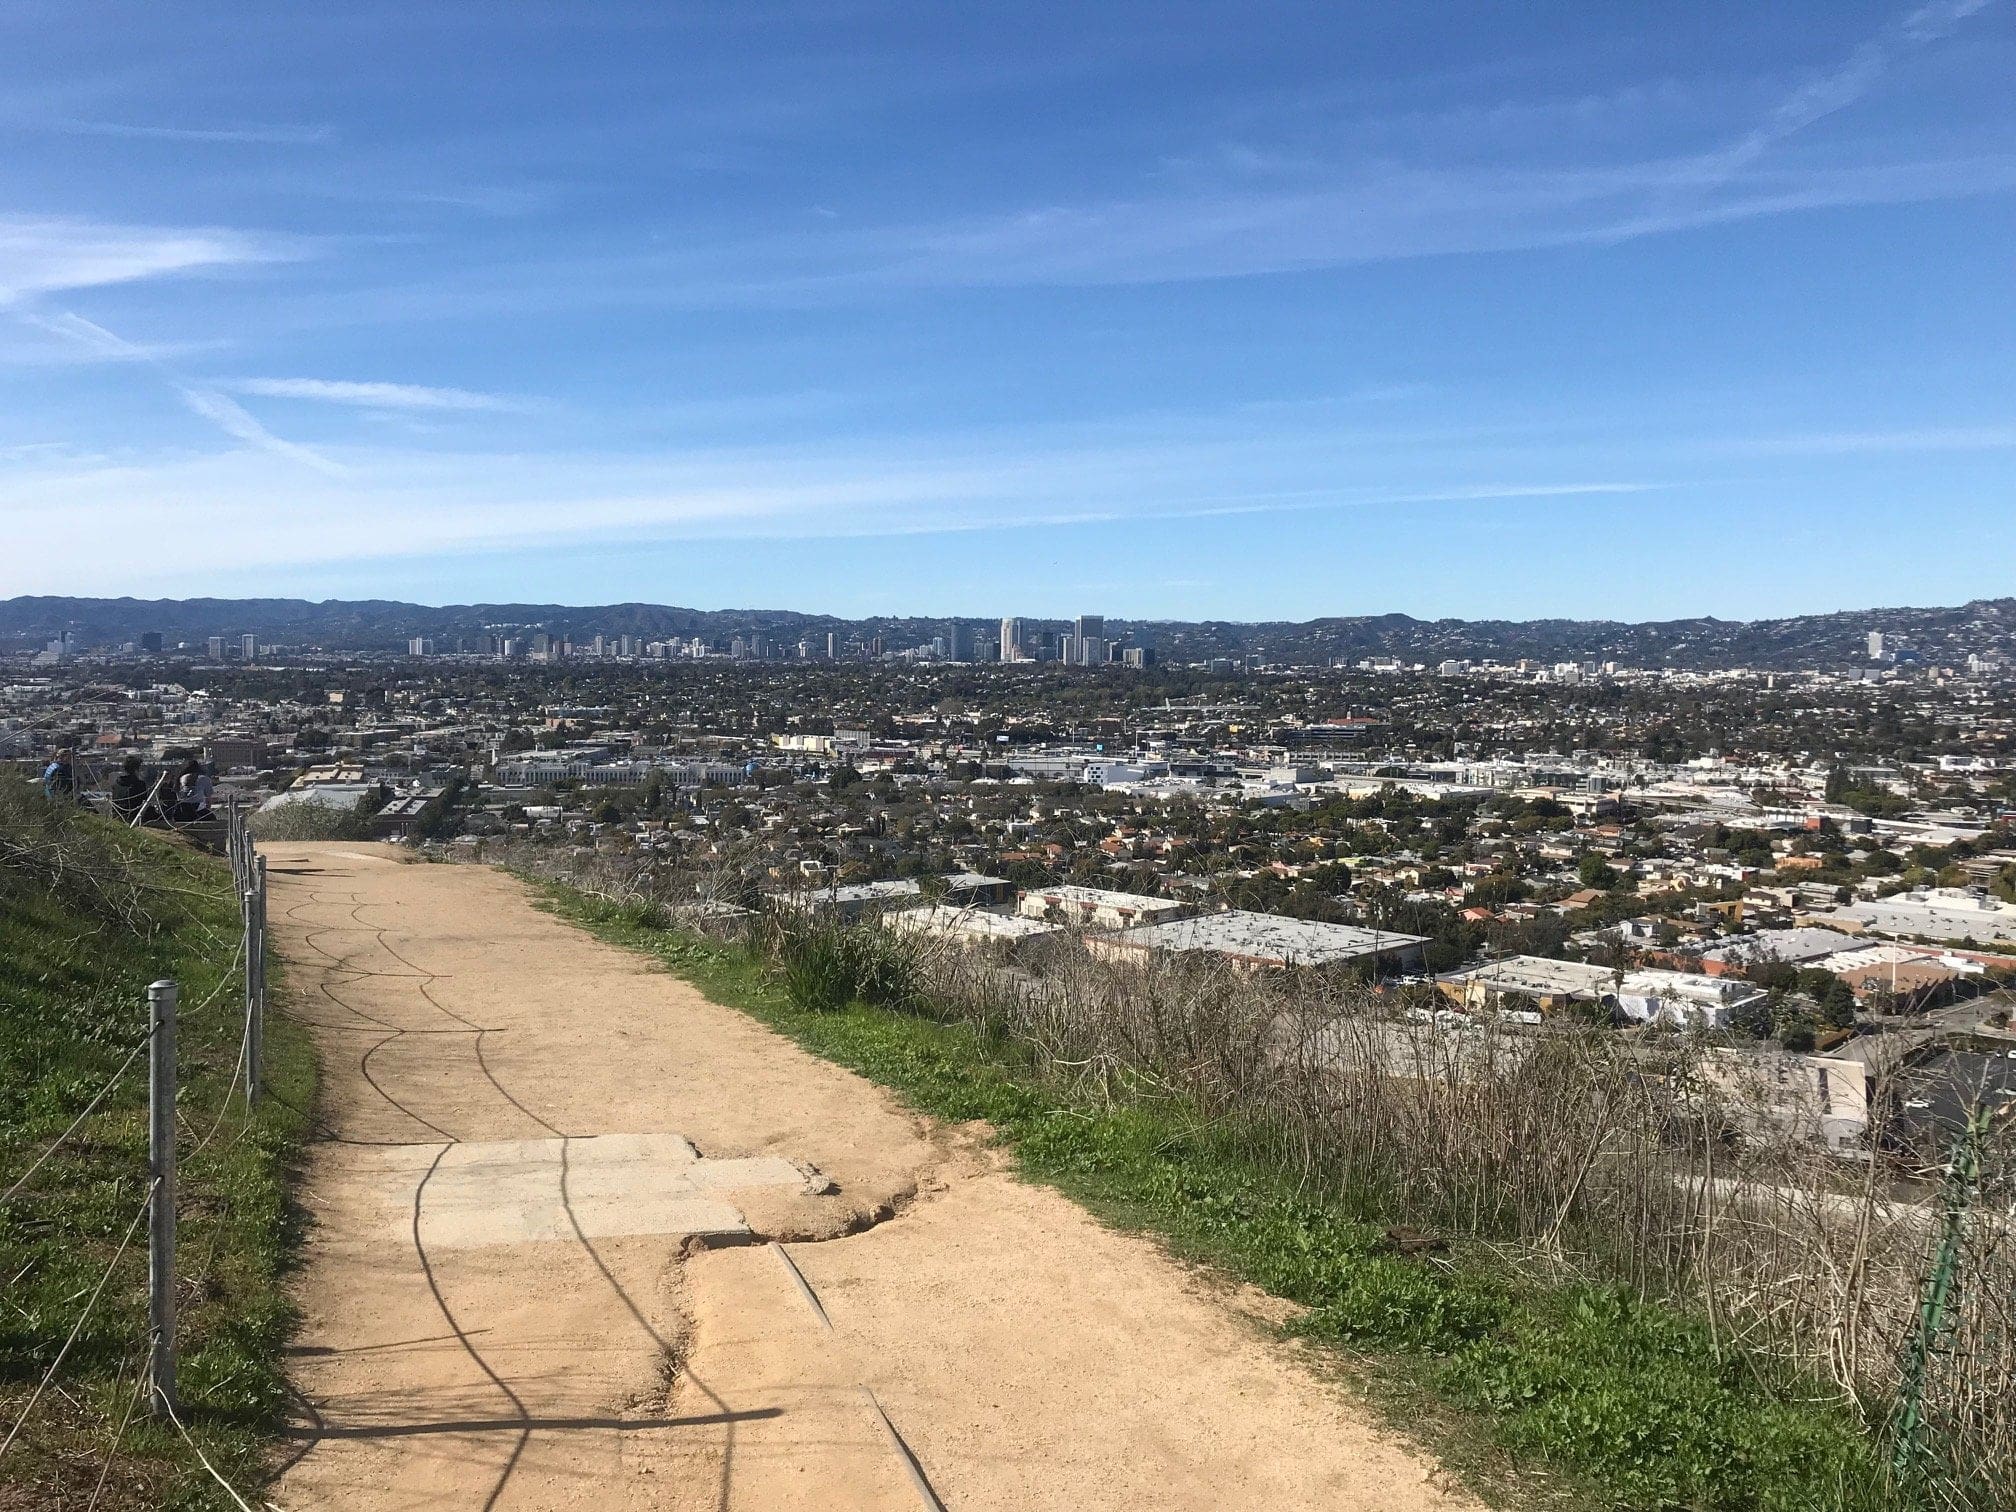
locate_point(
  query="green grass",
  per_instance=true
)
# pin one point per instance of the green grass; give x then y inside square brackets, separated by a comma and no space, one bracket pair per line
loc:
[77,949]
[1592,1397]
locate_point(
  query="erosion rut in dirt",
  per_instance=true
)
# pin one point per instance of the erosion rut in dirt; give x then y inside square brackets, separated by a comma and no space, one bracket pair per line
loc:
[583,1239]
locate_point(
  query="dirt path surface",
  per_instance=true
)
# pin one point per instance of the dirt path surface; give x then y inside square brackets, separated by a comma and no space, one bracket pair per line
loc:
[583,1239]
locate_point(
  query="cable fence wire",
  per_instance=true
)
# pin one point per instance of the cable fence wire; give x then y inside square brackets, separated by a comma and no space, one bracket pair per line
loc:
[126,1240]
[202,1458]
[157,1342]
[119,1437]
[78,1122]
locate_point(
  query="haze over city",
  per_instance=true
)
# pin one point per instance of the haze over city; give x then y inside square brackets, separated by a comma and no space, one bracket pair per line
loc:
[901,308]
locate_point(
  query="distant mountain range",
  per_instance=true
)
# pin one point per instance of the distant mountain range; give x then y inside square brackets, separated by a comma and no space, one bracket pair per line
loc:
[1938,635]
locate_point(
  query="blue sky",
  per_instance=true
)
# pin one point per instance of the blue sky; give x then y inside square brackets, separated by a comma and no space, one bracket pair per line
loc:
[1162,310]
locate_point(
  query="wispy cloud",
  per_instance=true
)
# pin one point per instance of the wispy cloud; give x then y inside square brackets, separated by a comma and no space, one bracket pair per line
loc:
[49,255]
[27,345]
[1829,92]
[1934,438]
[219,409]
[261,135]
[231,417]
[1252,208]
[382,396]
[1383,213]
[392,503]
[87,335]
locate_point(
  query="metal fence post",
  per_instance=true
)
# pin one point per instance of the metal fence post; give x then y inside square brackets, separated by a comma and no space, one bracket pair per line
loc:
[161,1203]
[256,1046]
[248,910]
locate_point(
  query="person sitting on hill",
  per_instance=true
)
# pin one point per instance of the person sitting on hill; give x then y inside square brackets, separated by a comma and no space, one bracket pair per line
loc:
[130,790]
[59,778]
[192,794]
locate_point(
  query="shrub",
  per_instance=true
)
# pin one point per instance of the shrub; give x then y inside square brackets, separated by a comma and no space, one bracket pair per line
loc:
[827,966]
[310,821]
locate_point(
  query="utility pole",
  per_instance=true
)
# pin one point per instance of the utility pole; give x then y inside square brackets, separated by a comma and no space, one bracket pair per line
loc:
[161,1194]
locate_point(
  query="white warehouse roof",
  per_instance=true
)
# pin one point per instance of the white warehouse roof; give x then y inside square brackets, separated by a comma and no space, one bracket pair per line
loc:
[1272,938]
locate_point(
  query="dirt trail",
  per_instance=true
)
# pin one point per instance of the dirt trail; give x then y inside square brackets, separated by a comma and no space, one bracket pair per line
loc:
[585,1239]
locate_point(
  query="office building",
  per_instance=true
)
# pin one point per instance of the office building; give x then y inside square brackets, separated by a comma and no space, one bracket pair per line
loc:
[215,648]
[1011,640]
[248,647]
[150,642]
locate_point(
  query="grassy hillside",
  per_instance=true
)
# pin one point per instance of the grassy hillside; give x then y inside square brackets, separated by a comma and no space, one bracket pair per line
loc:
[90,913]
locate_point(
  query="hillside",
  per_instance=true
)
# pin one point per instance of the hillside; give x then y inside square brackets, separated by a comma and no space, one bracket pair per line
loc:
[1936,634]
[89,914]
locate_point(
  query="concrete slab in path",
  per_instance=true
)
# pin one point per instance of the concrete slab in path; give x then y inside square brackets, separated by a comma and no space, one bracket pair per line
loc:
[606,1186]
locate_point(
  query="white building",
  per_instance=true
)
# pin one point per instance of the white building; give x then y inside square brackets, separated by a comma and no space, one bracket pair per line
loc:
[1644,997]
[1263,942]
[967,926]
[1937,913]
[1098,907]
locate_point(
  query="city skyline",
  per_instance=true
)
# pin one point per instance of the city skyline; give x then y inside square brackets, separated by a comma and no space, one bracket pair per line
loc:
[1455,314]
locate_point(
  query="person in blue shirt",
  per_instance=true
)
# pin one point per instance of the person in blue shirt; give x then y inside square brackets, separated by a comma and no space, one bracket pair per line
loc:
[59,778]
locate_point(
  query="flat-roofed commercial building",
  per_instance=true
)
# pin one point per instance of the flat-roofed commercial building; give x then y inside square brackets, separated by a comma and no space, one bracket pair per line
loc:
[1943,913]
[1263,942]
[855,900]
[1646,997]
[1789,947]
[977,890]
[968,926]
[1099,907]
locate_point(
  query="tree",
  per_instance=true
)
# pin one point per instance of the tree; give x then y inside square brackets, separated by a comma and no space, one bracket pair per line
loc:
[1792,1021]
[1596,871]
[1837,1005]
[1752,1021]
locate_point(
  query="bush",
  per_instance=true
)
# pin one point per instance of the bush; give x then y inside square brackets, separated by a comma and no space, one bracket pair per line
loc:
[827,966]
[310,821]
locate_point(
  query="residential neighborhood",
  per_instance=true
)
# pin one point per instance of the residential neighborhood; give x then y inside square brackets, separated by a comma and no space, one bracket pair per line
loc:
[1802,866]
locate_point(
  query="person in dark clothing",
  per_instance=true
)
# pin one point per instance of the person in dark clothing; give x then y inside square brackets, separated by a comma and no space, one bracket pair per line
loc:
[59,778]
[130,790]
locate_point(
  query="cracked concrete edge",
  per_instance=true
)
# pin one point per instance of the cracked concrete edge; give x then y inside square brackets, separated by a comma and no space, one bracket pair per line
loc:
[817,1182]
